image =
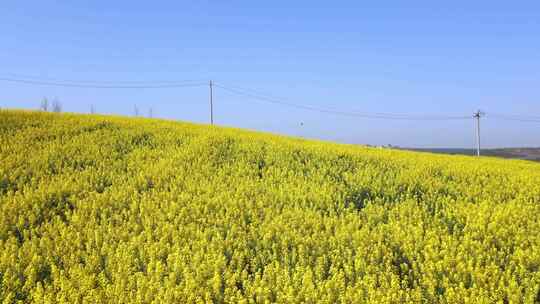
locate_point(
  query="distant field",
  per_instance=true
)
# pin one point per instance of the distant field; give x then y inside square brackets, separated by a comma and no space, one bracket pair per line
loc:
[97,209]
[516,153]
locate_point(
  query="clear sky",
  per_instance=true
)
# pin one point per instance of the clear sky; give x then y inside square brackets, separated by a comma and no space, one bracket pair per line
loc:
[411,57]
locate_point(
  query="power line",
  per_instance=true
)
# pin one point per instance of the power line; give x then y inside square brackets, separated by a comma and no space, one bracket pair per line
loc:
[389,116]
[253,94]
[265,97]
[519,116]
[513,118]
[111,82]
[79,85]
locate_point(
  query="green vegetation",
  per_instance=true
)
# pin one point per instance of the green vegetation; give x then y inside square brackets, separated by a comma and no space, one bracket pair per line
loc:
[516,153]
[97,209]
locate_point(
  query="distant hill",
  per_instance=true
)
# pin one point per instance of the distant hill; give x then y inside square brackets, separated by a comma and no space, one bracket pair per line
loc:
[515,153]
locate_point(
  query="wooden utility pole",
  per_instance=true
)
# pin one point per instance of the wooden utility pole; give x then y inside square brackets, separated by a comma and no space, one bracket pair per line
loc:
[211,103]
[477,115]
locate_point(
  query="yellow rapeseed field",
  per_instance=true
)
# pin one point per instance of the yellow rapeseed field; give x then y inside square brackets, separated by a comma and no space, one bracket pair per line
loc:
[98,209]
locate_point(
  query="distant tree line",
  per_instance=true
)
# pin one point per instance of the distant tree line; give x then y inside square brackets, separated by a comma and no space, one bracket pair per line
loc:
[55,106]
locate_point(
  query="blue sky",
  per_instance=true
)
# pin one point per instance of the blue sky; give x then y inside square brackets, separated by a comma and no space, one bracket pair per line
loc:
[411,57]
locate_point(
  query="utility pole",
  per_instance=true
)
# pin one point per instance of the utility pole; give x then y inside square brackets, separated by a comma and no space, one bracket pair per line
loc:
[477,115]
[211,103]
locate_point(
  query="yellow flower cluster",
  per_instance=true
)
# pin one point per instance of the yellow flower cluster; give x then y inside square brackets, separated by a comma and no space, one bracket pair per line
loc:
[97,209]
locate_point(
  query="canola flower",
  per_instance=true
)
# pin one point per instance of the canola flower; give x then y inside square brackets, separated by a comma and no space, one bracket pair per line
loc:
[99,209]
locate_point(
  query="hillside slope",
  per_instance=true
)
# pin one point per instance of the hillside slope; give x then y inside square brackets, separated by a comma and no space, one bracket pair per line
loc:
[97,209]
